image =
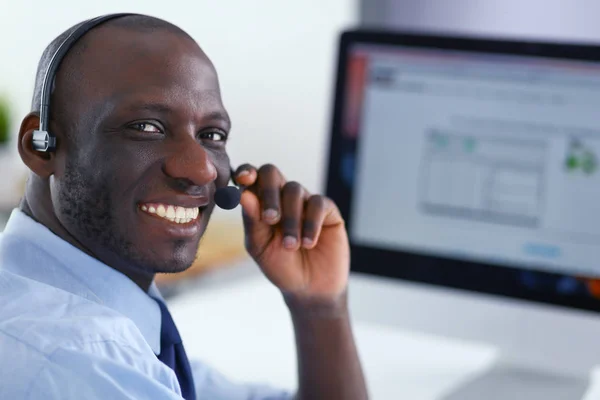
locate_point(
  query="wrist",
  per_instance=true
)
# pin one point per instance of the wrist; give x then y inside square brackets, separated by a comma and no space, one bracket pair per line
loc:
[317,307]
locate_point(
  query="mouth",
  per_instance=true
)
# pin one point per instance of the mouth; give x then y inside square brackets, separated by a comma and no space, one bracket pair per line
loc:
[172,213]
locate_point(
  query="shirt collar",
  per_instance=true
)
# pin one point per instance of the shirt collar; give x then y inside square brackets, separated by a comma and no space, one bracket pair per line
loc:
[72,270]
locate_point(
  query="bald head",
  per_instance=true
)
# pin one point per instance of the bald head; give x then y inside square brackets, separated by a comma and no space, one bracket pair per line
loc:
[132,23]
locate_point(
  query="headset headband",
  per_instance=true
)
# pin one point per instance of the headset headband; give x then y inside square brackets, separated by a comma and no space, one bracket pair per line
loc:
[42,139]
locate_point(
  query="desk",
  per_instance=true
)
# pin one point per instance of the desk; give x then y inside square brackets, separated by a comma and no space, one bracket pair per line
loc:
[242,327]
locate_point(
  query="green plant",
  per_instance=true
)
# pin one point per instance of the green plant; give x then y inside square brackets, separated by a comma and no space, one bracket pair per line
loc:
[4,122]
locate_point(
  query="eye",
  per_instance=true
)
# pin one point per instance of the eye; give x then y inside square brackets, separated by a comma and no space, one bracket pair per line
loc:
[145,127]
[213,136]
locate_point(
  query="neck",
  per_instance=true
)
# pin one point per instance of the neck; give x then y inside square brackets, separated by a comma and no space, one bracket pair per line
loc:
[45,215]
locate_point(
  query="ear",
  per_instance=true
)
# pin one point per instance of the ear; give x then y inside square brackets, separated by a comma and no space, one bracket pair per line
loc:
[40,163]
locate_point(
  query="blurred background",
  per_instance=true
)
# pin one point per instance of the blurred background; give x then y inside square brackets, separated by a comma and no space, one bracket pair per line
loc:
[276,62]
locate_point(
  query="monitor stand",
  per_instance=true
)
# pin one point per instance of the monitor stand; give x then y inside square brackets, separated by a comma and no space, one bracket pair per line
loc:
[509,381]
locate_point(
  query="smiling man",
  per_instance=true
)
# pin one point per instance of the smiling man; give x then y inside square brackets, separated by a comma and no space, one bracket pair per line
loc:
[141,137]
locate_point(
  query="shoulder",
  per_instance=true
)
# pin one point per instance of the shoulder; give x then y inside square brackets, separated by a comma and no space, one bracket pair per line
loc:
[48,335]
[45,318]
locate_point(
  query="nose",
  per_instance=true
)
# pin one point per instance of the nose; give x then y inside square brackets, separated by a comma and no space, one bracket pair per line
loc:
[190,163]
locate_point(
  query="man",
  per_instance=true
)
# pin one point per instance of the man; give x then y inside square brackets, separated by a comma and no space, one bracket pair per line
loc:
[141,134]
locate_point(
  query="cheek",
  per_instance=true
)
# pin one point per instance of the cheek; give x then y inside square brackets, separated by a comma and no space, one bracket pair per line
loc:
[221,162]
[122,170]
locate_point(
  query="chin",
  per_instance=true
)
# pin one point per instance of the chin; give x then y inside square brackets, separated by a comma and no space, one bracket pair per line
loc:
[178,257]
[152,245]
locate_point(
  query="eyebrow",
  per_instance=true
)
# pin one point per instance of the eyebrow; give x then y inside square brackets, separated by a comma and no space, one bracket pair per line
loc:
[154,107]
[219,116]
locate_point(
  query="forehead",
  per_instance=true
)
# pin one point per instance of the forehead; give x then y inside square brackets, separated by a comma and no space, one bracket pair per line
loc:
[124,64]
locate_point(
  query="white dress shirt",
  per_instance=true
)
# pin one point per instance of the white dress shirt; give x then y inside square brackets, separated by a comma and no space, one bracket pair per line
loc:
[73,328]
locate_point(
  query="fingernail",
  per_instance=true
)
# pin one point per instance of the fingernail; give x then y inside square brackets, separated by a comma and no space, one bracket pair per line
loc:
[289,242]
[270,214]
[243,173]
[306,242]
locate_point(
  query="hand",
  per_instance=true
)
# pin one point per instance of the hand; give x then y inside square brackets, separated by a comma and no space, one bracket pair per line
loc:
[298,240]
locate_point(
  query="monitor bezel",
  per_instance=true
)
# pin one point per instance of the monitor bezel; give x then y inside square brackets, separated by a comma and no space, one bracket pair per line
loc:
[475,277]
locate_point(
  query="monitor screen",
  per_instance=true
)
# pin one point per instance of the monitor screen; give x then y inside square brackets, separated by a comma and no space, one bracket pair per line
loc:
[485,158]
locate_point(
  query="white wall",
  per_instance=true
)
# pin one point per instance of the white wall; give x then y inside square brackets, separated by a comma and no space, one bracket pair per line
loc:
[549,19]
[275,59]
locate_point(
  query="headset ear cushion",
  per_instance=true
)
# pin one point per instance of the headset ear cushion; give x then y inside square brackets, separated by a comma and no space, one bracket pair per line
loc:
[43,141]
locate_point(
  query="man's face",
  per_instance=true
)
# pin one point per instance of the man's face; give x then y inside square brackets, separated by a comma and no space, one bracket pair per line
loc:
[135,182]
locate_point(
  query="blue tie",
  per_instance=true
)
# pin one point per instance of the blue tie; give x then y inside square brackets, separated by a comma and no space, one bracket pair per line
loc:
[173,354]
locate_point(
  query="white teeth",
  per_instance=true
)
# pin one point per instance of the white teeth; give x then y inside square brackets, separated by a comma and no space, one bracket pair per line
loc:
[177,214]
[171,212]
[189,213]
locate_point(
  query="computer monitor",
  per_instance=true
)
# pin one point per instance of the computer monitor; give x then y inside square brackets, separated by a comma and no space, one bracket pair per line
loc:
[468,172]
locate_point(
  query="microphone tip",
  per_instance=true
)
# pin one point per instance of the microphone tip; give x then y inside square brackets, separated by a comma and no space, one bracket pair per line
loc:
[228,197]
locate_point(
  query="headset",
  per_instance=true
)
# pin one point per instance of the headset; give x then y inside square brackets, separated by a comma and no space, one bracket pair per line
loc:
[227,197]
[43,140]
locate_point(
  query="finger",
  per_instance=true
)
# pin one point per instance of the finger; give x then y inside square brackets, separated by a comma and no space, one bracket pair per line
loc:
[250,208]
[251,213]
[245,175]
[292,200]
[269,182]
[319,212]
[314,215]
[257,232]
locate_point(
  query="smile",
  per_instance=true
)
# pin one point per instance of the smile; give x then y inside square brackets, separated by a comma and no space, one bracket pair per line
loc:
[177,214]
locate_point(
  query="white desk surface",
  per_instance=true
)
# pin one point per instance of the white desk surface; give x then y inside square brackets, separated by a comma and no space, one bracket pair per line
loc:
[243,329]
